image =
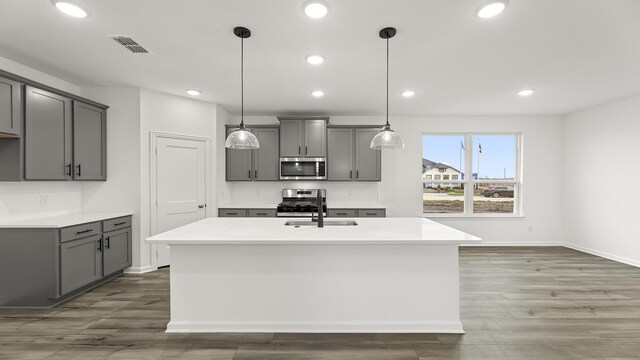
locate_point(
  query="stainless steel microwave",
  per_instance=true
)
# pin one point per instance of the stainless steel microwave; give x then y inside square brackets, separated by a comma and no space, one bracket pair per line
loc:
[303,169]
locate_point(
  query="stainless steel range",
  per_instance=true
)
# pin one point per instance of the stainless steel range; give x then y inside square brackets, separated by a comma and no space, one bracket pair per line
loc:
[301,203]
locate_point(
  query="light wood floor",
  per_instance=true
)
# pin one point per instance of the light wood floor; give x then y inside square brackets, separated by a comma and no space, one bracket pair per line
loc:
[517,303]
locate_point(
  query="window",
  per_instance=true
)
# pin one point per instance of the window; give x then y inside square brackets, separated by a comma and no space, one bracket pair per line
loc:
[429,177]
[491,185]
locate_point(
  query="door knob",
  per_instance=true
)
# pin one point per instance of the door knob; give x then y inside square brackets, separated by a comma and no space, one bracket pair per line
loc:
[202,205]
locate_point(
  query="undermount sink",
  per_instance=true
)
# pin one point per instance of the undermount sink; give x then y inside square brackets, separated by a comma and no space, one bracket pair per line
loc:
[326,223]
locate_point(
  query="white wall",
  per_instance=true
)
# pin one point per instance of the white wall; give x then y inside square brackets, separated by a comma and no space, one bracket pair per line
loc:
[601,207]
[19,200]
[176,115]
[401,188]
[121,191]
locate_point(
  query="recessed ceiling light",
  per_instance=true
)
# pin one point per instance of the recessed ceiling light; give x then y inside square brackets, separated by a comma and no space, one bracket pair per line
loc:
[70,9]
[315,9]
[193,92]
[408,93]
[491,8]
[317,93]
[526,92]
[315,59]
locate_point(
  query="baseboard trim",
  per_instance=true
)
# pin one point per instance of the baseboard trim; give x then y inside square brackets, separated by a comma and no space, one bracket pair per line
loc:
[200,327]
[605,255]
[515,243]
[140,270]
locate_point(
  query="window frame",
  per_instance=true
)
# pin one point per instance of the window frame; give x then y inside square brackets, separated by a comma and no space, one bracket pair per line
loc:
[469,182]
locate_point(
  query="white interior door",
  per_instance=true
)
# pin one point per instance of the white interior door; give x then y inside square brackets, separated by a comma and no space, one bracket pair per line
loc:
[181,186]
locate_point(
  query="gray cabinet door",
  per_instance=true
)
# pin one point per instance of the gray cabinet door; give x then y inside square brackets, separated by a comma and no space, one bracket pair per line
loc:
[80,263]
[265,158]
[291,138]
[47,136]
[10,106]
[89,142]
[315,138]
[340,154]
[238,164]
[368,161]
[117,251]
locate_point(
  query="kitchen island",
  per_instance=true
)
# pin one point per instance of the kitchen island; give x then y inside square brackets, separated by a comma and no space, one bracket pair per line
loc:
[258,275]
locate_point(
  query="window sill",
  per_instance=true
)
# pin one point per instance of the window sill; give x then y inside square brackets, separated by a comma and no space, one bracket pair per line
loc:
[474,216]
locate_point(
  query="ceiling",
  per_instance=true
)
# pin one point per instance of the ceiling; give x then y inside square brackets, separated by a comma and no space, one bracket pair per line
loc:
[575,53]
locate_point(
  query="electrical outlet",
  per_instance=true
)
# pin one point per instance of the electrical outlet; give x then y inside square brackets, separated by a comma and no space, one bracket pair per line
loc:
[44,201]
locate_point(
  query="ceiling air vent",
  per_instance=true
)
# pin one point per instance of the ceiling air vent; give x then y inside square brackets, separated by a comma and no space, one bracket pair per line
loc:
[129,44]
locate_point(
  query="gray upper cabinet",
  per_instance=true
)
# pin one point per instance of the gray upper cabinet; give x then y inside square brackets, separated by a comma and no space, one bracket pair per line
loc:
[315,138]
[340,154]
[368,161]
[292,136]
[10,107]
[265,158]
[238,166]
[47,136]
[350,157]
[89,142]
[260,164]
[303,137]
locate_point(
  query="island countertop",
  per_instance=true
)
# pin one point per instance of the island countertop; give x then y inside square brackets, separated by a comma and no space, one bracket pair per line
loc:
[273,231]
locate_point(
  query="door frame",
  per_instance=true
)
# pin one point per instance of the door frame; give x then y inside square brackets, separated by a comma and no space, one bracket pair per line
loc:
[153,174]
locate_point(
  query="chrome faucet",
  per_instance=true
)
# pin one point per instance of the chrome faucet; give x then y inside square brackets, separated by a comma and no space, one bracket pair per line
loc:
[320,218]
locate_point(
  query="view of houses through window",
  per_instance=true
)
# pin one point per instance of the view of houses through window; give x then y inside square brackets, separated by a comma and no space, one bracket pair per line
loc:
[492,184]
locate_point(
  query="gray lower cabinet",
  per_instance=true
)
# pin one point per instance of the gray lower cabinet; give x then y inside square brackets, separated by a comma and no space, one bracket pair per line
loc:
[89,142]
[116,250]
[356,213]
[246,212]
[80,263]
[41,267]
[10,107]
[255,165]
[350,157]
[48,135]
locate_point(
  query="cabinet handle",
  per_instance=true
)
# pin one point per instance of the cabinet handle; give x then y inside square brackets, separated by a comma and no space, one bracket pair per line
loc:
[249,174]
[357,174]
[83,231]
[100,244]
[341,213]
[79,170]
[68,172]
[229,213]
[350,174]
[120,223]
[108,242]
[255,174]
[298,149]
[370,214]
[305,150]
[263,214]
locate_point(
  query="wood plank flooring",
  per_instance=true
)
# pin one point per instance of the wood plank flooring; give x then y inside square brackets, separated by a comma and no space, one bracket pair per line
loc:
[516,303]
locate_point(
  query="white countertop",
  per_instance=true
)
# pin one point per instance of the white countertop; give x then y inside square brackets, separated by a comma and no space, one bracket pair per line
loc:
[60,221]
[248,206]
[272,231]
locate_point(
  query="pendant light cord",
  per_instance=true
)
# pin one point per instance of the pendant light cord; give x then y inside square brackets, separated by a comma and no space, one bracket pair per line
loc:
[241,82]
[387,81]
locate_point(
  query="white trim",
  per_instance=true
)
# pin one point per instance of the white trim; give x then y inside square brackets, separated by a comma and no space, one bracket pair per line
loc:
[369,327]
[154,136]
[603,254]
[472,216]
[512,244]
[140,270]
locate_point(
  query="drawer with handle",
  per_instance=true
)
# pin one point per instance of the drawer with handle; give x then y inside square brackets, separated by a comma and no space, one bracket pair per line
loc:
[371,213]
[117,223]
[341,213]
[262,213]
[80,231]
[232,213]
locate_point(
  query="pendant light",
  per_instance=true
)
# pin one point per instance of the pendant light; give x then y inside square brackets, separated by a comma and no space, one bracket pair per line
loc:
[387,139]
[241,138]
